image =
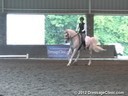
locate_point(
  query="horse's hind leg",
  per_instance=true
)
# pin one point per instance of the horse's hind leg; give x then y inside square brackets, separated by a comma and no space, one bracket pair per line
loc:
[90,58]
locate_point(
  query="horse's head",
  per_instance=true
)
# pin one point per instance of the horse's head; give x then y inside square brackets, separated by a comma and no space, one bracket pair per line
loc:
[69,34]
[66,36]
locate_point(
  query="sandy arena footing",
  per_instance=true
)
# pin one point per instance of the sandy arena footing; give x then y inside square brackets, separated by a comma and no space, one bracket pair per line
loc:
[32,77]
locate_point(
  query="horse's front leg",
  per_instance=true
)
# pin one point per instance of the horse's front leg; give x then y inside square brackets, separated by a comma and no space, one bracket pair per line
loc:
[69,53]
[78,55]
[71,58]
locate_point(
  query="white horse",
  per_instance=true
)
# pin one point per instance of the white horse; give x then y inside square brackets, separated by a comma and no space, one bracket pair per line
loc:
[75,41]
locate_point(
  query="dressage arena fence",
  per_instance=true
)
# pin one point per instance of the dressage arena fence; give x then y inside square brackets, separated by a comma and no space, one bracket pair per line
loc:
[15,56]
[42,51]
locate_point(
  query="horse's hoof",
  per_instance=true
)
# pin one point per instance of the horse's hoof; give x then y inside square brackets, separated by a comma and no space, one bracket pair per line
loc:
[74,62]
[68,65]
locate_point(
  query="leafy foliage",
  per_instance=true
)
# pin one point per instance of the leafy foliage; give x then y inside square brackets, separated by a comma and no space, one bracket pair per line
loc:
[112,29]
[55,26]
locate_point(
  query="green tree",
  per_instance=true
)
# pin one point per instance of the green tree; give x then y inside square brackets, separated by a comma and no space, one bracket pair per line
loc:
[112,29]
[55,26]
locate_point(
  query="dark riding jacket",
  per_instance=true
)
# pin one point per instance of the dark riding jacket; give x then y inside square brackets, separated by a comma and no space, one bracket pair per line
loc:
[81,27]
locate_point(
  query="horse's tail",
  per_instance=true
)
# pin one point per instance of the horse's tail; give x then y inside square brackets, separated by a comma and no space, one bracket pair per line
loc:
[94,45]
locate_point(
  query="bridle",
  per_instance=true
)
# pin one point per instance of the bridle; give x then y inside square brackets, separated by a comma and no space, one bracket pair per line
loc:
[69,37]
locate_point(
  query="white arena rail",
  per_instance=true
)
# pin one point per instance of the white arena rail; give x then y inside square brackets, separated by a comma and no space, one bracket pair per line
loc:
[15,56]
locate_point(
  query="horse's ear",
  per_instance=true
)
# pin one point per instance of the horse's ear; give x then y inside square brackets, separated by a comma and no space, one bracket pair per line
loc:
[66,31]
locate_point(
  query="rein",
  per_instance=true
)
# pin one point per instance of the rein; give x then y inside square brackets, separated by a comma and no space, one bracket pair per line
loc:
[74,36]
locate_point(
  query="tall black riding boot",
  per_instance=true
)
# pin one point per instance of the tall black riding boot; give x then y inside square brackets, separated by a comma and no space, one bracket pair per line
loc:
[84,45]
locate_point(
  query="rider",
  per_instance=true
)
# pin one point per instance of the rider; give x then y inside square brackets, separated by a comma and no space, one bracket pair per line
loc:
[82,29]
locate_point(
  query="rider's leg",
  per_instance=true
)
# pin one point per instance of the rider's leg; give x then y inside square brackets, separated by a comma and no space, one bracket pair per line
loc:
[83,40]
[80,46]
